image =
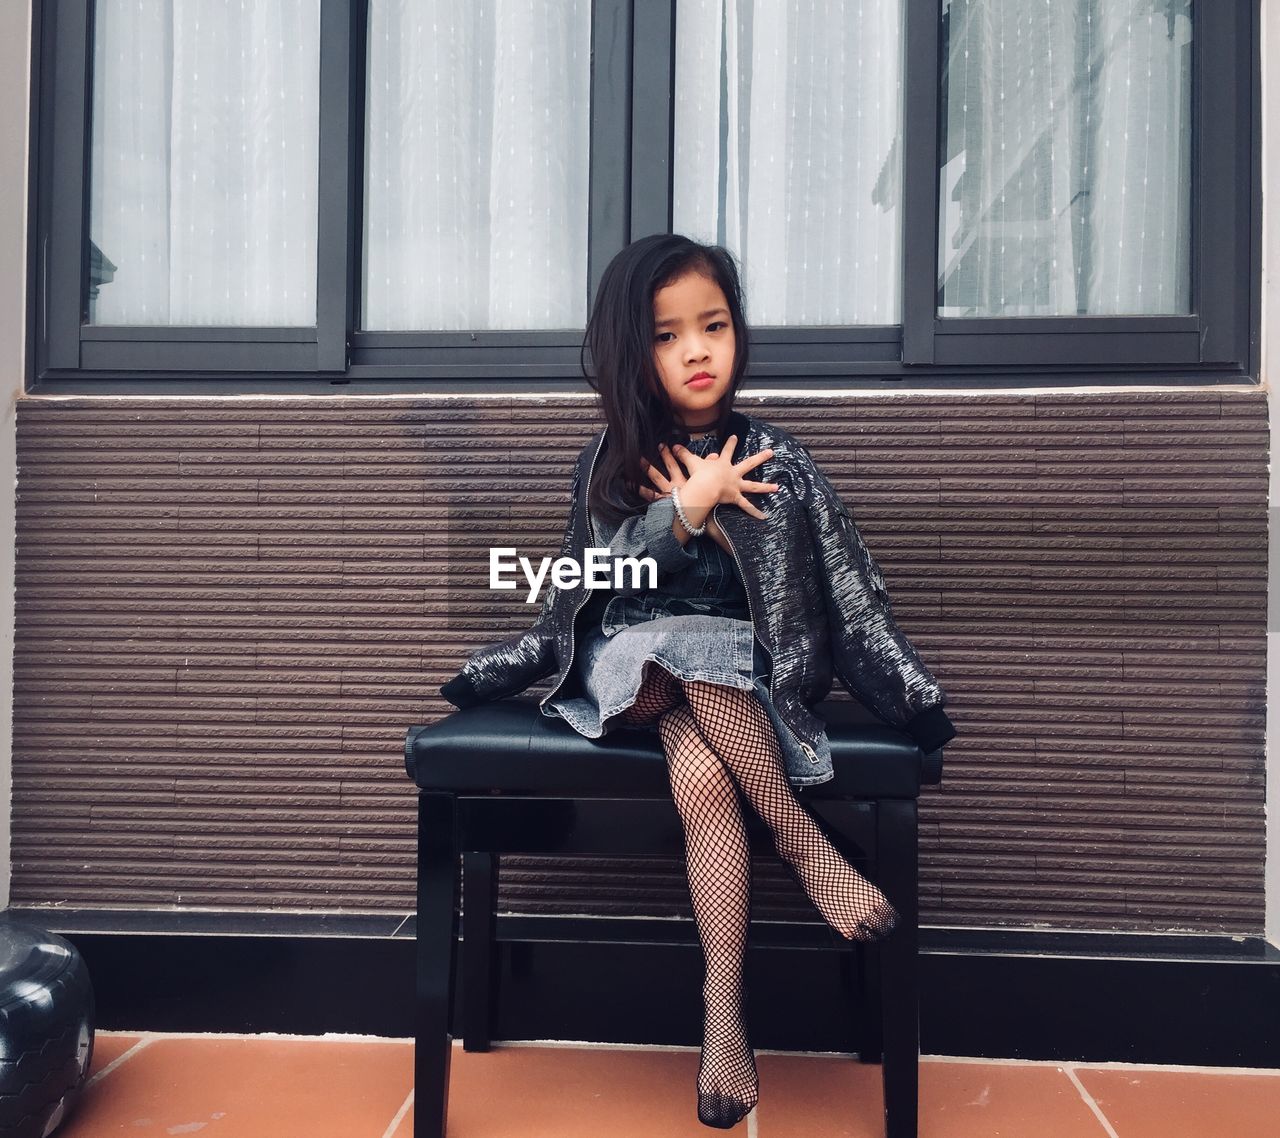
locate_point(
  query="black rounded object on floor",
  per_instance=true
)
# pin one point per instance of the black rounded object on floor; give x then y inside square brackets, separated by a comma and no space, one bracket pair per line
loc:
[46,1028]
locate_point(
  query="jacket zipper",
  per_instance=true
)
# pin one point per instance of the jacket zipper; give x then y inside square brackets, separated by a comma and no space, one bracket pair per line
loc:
[591,536]
[813,758]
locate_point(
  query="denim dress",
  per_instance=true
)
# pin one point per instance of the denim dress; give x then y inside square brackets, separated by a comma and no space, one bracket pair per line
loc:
[697,625]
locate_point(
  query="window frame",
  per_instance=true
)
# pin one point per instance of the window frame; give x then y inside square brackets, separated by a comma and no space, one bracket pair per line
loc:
[629,196]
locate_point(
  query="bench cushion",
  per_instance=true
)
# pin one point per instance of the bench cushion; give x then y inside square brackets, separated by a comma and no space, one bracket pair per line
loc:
[509,746]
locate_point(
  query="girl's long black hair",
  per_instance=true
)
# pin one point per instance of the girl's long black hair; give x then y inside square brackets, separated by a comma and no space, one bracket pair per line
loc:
[620,340]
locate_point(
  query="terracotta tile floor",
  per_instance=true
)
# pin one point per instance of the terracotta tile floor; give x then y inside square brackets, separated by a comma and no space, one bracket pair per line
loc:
[264,1086]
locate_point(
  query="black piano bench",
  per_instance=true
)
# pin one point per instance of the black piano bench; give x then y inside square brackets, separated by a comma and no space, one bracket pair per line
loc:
[501,777]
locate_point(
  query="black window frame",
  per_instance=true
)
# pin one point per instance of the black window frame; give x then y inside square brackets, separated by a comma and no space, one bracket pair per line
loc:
[630,195]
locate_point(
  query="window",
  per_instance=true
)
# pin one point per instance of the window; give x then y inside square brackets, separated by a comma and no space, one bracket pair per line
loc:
[1066,175]
[266,193]
[477,143]
[203,170]
[788,148]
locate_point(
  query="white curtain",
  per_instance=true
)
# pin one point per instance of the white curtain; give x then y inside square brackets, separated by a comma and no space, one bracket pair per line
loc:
[205,126]
[787,151]
[1066,183]
[477,164]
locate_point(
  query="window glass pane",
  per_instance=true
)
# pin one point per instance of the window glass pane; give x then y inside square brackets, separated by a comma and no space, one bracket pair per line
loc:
[1066,157]
[477,159]
[204,162]
[788,151]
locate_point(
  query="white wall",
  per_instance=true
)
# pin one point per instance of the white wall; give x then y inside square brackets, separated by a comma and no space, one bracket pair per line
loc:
[15,88]
[1270,373]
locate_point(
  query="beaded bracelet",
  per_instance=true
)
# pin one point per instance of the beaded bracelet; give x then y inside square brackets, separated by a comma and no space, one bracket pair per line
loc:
[684,521]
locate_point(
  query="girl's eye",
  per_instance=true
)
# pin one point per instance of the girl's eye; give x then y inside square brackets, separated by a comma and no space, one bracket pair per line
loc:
[716,324]
[661,334]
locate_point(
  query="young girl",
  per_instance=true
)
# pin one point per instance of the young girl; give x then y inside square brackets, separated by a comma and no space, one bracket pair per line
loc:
[756,602]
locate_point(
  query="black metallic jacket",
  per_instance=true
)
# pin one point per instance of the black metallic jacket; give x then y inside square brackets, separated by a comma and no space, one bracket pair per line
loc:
[817,597]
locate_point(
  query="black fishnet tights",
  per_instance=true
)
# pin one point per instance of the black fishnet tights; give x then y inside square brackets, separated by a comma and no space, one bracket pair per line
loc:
[715,736]
[736,725]
[659,691]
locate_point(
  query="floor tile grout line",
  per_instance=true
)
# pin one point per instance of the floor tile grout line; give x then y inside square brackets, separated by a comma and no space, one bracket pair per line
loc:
[395,1122]
[124,1057]
[1099,1065]
[1069,1071]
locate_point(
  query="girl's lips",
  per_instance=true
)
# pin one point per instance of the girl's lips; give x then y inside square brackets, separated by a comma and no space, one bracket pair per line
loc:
[699,381]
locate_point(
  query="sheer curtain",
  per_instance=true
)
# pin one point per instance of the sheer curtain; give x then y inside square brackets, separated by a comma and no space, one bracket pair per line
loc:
[203,172]
[477,163]
[787,150]
[1066,184]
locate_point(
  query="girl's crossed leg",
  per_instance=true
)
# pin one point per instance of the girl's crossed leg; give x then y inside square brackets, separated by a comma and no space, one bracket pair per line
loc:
[734,725]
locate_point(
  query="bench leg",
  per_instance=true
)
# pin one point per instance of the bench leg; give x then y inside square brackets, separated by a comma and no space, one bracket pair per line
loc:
[859,964]
[897,835]
[871,1004]
[871,979]
[479,932]
[437,932]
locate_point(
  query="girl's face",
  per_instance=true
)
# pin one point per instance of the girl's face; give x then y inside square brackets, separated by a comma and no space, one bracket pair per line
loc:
[693,336]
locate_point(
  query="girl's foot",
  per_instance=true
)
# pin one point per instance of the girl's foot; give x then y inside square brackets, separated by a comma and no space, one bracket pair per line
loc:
[728,1085]
[848,902]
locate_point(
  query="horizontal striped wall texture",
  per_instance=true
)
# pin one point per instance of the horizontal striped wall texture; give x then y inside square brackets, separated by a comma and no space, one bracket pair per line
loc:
[228,612]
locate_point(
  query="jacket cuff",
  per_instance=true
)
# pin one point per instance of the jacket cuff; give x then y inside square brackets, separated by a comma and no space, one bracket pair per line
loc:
[461,692]
[660,542]
[931,729]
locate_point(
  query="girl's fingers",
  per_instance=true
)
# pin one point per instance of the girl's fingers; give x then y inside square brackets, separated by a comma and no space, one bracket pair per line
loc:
[760,487]
[655,476]
[671,453]
[755,460]
[674,476]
